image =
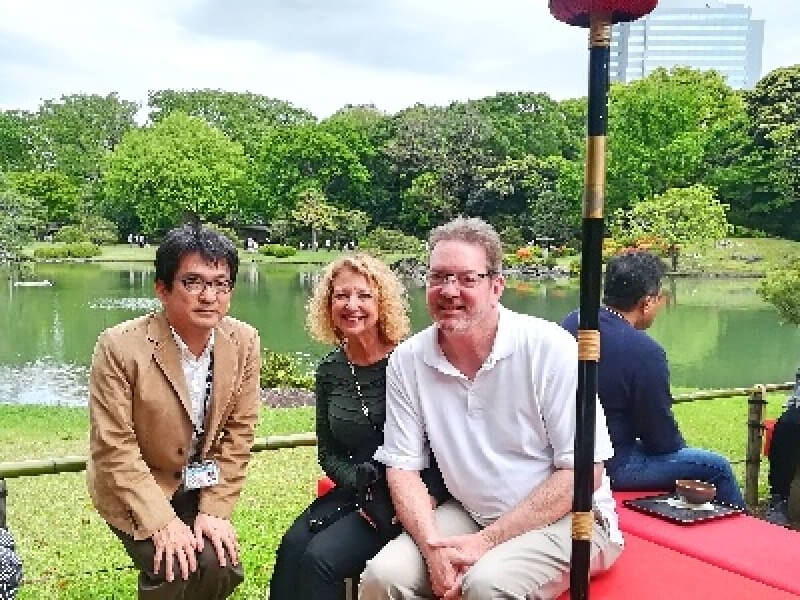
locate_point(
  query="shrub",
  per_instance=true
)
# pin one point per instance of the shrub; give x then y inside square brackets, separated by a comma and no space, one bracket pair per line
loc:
[70,234]
[277,250]
[227,232]
[99,230]
[51,251]
[575,267]
[391,240]
[285,369]
[748,232]
[83,250]
[781,288]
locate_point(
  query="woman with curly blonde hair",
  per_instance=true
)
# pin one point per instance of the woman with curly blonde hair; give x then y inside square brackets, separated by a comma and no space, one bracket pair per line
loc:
[360,306]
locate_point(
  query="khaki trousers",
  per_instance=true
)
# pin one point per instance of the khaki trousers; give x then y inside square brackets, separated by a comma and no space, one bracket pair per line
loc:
[208,582]
[533,566]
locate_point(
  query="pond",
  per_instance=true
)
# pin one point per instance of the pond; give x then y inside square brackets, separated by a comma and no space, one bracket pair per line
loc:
[717,333]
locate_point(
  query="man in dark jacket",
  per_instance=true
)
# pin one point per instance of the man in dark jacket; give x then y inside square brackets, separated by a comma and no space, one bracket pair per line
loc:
[633,384]
[784,465]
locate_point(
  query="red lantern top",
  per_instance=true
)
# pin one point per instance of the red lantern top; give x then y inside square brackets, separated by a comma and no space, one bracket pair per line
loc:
[576,12]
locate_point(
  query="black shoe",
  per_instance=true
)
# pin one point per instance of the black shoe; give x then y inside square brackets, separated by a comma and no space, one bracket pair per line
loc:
[778,511]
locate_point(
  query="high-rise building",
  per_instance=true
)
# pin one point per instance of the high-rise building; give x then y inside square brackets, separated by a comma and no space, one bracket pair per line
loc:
[702,34]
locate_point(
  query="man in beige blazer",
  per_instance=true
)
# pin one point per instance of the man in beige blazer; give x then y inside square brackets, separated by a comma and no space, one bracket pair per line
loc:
[173,404]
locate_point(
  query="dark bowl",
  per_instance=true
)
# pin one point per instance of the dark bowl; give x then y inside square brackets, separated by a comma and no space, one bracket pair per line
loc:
[694,491]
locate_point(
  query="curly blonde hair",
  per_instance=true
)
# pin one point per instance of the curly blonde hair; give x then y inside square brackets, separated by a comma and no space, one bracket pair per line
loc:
[393,322]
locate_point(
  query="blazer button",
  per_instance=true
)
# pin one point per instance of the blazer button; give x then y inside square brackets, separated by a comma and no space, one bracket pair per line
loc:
[180,451]
[177,475]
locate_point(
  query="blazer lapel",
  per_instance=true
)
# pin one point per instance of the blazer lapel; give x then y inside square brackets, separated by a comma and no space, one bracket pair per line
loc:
[225,370]
[165,353]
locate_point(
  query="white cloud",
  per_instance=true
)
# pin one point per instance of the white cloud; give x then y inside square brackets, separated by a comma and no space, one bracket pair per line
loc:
[316,54]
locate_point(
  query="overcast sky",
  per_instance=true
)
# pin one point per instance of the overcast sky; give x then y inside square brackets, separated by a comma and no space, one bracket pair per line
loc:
[317,54]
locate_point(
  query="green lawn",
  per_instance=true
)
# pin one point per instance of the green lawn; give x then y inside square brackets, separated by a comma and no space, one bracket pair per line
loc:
[70,554]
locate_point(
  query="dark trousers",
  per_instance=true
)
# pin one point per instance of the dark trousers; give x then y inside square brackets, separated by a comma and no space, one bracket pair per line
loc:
[784,452]
[208,582]
[313,566]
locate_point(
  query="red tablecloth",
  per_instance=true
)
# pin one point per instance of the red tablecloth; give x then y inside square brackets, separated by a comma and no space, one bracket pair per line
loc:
[745,545]
[647,571]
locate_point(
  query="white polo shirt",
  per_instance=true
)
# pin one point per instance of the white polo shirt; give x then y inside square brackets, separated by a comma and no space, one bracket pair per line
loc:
[498,437]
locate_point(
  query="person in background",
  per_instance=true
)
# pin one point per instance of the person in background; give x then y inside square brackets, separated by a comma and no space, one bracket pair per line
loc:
[633,384]
[173,405]
[784,464]
[492,393]
[360,306]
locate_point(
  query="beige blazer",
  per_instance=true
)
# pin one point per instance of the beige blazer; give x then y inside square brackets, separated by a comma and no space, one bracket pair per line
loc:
[140,428]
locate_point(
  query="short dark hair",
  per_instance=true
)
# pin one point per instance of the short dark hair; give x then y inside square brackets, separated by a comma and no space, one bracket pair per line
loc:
[630,277]
[186,239]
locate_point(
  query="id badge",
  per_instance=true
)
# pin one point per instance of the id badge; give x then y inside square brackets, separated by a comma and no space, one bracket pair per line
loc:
[200,475]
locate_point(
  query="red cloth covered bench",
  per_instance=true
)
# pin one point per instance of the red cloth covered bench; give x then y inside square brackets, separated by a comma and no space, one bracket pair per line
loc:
[740,544]
[647,571]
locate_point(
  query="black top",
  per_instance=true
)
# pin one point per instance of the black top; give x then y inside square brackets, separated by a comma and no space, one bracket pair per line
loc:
[633,385]
[345,436]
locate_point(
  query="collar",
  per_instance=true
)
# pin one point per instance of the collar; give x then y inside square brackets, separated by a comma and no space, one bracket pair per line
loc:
[502,346]
[186,354]
[615,313]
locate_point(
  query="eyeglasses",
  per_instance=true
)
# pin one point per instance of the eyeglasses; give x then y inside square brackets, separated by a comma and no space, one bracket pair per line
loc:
[197,285]
[466,279]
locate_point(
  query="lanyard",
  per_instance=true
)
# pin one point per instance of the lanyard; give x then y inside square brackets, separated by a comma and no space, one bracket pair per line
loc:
[200,430]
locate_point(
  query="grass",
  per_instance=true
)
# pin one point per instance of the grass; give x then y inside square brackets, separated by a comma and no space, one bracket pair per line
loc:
[130,253]
[740,256]
[69,553]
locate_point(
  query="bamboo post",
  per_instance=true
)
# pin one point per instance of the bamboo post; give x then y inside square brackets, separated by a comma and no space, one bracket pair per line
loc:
[755,439]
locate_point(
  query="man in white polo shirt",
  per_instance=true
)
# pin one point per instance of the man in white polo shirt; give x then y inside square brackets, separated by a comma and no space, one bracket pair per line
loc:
[492,393]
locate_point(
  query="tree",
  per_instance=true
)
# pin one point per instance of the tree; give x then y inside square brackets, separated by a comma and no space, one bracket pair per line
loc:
[20,219]
[75,134]
[446,147]
[16,144]
[312,211]
[243,116]
[531,123]
[668,130]
[781,288]
[56,192]
[773,107]
[180,167]
[302,157]
[677,217]
[542,195]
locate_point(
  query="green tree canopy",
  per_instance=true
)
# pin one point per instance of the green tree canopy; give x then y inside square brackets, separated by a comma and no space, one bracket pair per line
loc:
[302,157]
[781,288]
[774,111]
[243,116]
[20,218]
[312,211]
[677,217]
[74,134]
[666,131]
[16,140]
[59,194]
[180,167]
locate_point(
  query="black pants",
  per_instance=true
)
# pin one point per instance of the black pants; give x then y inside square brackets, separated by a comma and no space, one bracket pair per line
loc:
[208,582]
[784,452]
[313,566]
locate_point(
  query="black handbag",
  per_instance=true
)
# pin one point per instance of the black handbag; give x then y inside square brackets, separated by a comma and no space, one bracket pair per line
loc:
[329,508]
[373,497]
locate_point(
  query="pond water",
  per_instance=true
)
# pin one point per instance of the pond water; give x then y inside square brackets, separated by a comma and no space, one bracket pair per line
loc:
[717,333]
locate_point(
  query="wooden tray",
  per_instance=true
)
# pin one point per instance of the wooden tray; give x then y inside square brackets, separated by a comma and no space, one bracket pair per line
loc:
[656,507]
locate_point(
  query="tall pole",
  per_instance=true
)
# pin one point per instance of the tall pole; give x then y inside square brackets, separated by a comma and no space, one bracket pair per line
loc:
[591,274]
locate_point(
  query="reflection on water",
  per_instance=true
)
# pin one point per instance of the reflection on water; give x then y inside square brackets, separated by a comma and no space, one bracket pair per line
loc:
[136,304]
[44,381]
[717,333]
